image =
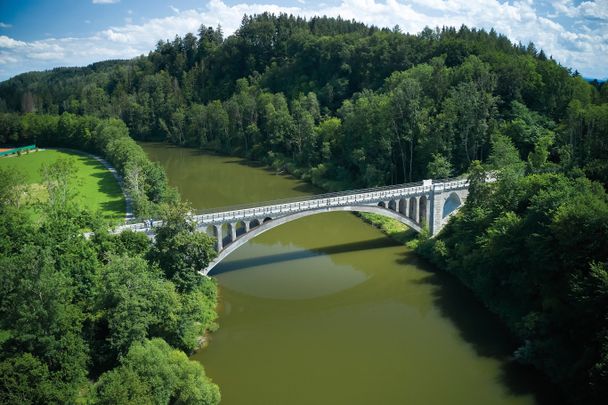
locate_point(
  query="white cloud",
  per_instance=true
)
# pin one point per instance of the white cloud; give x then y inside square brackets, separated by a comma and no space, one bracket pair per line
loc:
[105,1]
[6,42]
[585,49]
[597,9]
[5,25]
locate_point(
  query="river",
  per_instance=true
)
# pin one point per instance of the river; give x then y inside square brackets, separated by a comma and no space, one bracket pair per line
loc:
[328,310]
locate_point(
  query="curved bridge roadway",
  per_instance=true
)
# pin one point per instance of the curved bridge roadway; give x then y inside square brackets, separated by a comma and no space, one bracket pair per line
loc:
[428,203]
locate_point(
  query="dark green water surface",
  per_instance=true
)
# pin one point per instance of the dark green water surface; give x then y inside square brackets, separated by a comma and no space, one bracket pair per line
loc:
[327,310]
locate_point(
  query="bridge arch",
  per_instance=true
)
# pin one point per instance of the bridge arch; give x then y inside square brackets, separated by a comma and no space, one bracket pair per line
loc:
[267,225]
[422,209]
[403,206]
[413,208]
[241,228]
[451,204]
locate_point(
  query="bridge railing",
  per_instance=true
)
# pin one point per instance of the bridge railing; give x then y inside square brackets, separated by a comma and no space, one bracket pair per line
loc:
[286,206]
[454,182]
[290,200]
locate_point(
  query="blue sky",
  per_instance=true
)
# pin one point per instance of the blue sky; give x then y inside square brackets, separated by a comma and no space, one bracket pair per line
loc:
[37,35]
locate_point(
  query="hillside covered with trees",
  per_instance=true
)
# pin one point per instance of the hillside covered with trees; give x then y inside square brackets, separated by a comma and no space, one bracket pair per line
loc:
[335,99]
[345,105]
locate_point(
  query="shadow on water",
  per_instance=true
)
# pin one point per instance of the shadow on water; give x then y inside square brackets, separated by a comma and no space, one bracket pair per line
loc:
[243,264]
[485,332]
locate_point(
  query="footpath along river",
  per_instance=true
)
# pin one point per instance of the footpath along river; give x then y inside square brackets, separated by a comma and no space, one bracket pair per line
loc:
[328,310]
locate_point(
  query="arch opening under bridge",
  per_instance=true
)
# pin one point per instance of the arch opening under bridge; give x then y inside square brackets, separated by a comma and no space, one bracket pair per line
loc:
[270,223]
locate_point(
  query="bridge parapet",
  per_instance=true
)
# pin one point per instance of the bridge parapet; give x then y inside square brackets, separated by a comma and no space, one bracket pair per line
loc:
[356,197]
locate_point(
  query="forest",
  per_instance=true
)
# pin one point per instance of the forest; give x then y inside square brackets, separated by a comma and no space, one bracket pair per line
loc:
[346,105]
[106,319]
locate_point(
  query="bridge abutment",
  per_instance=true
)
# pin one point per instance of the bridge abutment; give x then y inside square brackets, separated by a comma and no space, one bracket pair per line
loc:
[437,211]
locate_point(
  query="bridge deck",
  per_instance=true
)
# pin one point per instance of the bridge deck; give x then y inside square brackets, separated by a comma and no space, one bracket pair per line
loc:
[286,206]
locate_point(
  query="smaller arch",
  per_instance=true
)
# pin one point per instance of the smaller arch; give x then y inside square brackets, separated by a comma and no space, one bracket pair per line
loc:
[392,205]
[381,204]
[403,206]
[225,233]
[451,204]
[241,228]
[254,224]
[413,208]
[267,219]
[422,206]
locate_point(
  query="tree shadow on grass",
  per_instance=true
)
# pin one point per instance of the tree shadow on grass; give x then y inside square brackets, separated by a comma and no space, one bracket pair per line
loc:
[107,184]
[114,209]
[485,332]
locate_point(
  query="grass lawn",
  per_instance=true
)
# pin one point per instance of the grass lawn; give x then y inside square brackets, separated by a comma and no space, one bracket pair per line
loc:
[96,188]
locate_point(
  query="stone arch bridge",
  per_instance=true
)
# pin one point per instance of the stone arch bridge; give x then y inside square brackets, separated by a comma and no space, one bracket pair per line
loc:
[424,204]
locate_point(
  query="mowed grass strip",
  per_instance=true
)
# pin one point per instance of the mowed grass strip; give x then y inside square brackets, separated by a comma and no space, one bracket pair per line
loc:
[96,188]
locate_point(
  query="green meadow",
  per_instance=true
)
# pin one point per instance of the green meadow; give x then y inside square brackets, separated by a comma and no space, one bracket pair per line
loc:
[95,187]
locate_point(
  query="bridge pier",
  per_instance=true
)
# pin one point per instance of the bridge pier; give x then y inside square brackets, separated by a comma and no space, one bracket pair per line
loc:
[429,203]
[246,226]
[437,213]
[417,210]
[217,232]
[232,228]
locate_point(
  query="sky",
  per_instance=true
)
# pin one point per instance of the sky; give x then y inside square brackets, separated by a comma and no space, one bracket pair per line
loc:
[39,35]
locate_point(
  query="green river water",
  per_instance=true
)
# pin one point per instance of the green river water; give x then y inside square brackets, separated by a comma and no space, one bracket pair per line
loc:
[328,310]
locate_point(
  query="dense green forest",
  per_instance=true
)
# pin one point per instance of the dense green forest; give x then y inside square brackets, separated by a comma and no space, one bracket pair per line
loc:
[345,105]
[115,309]
[335,100]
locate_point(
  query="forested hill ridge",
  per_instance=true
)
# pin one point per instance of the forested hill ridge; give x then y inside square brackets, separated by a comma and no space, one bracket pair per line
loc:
[346,105]
[336,99]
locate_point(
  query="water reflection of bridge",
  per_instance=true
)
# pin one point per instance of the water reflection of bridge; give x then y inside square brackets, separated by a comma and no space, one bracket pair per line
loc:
[424,204]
